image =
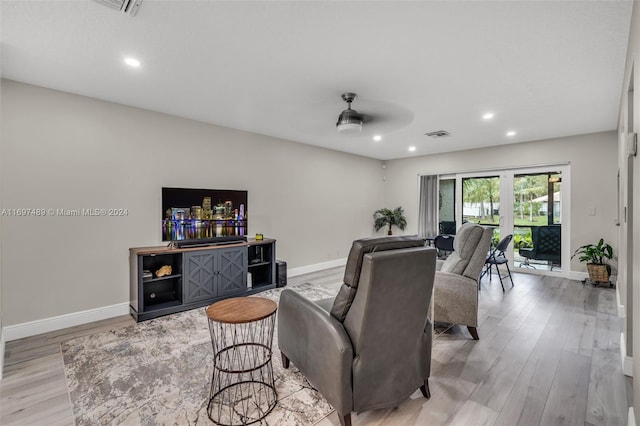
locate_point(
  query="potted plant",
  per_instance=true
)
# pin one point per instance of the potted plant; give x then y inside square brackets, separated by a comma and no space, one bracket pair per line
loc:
[388,217]
[596,257]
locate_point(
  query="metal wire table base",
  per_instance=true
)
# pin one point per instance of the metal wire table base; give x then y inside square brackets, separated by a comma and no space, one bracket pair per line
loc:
[242,383]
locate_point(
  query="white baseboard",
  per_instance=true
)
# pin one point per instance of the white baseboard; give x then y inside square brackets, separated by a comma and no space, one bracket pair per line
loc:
[578,276]
[294,272]
[46,325]
[627,361]
[631,421]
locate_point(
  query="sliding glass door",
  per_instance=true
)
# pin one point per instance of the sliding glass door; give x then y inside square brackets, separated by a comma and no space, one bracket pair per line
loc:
[528,203]
[538,220]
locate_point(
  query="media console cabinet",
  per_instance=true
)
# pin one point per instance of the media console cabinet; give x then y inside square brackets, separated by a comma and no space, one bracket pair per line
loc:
[199,275]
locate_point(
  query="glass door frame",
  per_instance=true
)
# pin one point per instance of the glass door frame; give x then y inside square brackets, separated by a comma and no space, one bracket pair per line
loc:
[506,219]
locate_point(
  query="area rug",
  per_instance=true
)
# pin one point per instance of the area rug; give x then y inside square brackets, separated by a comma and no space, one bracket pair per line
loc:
[159,371]
[440,328]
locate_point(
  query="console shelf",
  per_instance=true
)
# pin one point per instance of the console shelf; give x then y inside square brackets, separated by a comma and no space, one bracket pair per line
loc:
[164,305]
[167,277]
[199,275]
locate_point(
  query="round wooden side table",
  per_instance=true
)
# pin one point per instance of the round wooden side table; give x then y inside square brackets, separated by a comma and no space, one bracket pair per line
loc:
[242,384]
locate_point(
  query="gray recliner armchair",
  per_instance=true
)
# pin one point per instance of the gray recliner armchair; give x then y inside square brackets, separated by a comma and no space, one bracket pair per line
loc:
[370,347]
[455,294]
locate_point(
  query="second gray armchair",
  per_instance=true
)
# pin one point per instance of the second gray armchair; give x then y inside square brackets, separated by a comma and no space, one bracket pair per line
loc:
[370,347]
[455,294]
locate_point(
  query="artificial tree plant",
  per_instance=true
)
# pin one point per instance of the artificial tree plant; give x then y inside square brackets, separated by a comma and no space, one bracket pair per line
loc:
[388,217]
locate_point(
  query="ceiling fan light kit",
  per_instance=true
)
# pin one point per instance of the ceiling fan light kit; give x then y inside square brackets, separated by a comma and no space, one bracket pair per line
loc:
[349,121]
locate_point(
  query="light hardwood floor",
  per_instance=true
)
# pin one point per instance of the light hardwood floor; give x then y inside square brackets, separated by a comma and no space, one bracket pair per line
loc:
[548,354]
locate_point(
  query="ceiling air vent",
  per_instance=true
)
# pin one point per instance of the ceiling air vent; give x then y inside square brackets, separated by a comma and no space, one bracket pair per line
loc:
[438,134]
[129,7]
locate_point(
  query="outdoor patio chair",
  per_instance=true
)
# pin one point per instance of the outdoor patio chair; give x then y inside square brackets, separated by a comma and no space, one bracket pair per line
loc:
[546,246]
[497,258]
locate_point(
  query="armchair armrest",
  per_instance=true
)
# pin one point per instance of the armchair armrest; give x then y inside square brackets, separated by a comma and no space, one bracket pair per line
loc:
[318,345]
[455,299]
[457,281]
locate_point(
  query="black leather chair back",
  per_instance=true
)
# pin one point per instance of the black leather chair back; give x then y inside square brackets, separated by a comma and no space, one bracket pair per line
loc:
[447,227]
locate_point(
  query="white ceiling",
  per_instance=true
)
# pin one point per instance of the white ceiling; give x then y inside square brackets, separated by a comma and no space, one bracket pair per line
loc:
[546,69]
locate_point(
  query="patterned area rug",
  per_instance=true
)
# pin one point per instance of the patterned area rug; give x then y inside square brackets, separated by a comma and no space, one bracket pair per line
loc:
[159,372]
[440,328]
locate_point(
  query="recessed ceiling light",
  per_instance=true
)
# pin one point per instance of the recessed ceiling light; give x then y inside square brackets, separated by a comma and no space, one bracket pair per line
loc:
[511,133]
[487,116]
[132,62]
[412,148]
[377,138]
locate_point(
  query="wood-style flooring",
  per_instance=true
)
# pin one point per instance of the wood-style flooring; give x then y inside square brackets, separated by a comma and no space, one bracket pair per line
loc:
[548,354]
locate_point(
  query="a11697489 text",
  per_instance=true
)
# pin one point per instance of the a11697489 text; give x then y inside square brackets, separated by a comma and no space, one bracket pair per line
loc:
[61,212]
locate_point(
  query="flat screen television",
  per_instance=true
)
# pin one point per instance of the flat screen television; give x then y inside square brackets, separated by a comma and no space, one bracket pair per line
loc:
[203,215]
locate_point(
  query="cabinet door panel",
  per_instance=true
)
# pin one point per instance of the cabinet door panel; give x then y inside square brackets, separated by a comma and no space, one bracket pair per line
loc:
[232,275]
[199,276]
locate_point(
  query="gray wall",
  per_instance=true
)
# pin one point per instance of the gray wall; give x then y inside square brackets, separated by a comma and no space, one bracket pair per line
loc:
[67,151]
[593,159]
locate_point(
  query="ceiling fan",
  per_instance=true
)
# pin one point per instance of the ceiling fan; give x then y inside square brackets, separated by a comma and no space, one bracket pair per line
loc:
[381,117]
[349,120]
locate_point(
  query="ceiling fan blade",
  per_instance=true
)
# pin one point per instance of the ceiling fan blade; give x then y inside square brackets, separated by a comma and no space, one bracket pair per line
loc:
[319,118]
[370,118]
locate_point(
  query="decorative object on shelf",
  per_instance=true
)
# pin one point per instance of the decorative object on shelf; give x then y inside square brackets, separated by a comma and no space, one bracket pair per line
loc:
[388,217]
[596,257]
[146,274]
[165,270]
[259,237]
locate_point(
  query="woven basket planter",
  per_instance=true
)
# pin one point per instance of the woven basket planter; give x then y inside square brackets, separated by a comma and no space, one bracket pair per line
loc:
[598,273]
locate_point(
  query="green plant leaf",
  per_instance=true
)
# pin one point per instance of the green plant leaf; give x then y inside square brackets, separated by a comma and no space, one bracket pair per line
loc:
[598,254]
[387,217]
